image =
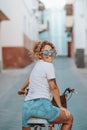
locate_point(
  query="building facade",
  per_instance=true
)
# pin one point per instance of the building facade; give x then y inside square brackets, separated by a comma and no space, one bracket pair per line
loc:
[24,21]
[80,28]
[18,31]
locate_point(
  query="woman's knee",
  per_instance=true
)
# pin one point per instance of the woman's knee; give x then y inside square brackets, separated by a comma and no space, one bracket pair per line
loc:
[63,118]
[71,118]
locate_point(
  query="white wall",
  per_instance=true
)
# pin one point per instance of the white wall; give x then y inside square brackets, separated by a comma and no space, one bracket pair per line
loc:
[79,24]
[57,30]
[30,22]
[23,19]
[4,6]
[11,31]
[69,1]
[85,12]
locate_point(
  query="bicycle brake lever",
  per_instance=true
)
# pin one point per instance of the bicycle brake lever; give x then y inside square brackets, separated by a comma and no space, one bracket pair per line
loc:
[71,90]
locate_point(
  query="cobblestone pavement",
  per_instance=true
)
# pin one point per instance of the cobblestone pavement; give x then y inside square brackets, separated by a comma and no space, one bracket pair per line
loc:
[67,75]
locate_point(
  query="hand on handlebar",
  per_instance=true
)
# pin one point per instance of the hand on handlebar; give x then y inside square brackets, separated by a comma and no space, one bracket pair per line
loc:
[22,92]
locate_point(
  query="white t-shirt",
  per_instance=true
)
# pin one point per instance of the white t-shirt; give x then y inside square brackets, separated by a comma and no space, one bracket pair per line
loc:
[38,86]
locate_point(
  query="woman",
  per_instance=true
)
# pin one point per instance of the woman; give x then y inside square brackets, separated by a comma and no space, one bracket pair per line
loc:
[42,84]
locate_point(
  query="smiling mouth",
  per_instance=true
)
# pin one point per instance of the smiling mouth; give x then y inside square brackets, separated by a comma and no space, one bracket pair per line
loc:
[49,58]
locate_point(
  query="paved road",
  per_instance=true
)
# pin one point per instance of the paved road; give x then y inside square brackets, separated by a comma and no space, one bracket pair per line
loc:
[67,76]
[10,101]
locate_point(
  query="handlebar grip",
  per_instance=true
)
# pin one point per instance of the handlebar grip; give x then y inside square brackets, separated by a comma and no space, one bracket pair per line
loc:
[69,90]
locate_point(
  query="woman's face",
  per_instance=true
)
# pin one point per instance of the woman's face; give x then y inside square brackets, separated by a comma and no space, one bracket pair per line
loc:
[47,53]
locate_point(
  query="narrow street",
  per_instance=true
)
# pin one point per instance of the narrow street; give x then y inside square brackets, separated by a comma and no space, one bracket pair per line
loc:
[67,75]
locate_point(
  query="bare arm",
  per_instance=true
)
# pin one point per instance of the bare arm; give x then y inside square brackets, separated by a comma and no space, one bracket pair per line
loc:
[25,85]
[22,90]
[55,92]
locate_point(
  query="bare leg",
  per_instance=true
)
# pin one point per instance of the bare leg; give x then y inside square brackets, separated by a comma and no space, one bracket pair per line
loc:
[50,127]
[64,120]
[25,128]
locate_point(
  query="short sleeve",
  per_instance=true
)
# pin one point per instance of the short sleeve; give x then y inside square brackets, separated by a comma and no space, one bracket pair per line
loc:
[50,71]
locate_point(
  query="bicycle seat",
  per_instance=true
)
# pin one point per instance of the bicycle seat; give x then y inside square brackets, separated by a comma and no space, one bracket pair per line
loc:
[38,121]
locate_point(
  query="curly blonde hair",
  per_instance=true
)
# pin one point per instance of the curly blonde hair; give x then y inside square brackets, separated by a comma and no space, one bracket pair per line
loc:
[39,45]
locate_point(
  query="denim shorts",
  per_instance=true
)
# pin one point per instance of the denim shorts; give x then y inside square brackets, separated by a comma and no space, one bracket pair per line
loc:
[39,108]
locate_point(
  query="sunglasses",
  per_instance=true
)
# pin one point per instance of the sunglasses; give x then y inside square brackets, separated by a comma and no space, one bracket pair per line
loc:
[46,53]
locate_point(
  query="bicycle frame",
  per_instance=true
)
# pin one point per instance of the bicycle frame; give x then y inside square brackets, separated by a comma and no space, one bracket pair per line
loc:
[64,97]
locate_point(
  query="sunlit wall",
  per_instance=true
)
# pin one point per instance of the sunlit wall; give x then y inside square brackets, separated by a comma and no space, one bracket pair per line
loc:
[17,34]
[56,32]
[80,24]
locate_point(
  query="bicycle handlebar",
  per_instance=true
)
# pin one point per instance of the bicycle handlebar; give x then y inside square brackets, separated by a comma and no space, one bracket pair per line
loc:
[69,90]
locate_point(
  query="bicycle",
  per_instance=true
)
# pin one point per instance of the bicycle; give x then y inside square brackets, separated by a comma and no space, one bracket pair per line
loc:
[38,123]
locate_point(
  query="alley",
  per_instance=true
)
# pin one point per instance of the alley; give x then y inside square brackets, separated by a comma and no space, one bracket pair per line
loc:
[67,76]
